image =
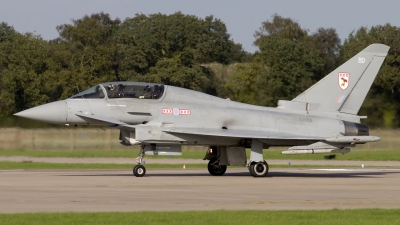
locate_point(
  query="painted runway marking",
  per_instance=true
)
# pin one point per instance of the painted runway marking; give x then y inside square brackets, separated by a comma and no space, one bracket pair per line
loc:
[356,169]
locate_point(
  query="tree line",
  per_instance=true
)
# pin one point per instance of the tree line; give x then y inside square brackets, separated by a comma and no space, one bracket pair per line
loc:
[190,52]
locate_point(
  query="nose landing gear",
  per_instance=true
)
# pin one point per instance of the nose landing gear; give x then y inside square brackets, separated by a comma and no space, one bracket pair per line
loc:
[139,170]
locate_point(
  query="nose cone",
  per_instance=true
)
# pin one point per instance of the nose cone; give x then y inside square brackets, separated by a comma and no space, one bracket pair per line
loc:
[55,112]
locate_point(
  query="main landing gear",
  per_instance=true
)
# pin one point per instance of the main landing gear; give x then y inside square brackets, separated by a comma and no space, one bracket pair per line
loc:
[222,156]
[215,168]
[258,169]
[139,170]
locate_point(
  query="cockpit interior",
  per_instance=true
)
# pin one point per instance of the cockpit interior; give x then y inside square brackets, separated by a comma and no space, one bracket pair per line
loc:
[123,89]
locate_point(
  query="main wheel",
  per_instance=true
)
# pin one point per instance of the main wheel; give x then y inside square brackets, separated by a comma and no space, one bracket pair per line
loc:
[216,169]
[259,169]
[139,171]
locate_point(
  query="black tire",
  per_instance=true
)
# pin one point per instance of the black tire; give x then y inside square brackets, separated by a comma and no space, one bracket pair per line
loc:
[259,169]
[139,171]
[215,169]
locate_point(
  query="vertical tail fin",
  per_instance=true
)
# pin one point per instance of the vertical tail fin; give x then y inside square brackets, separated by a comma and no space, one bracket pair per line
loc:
[345,88]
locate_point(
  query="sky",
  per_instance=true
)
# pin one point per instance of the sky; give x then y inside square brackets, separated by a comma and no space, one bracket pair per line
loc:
[242,18]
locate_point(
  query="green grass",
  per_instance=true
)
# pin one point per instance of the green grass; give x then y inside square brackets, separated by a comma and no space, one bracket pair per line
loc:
[320,217]
[7,165]
[364,155]
[95,154]
[74,153]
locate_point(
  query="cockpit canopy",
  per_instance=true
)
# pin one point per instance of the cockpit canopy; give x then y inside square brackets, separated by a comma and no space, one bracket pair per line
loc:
[122,89]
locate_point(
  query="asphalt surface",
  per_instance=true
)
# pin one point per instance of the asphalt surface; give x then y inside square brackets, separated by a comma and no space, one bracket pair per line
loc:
[194,161]
[195,189]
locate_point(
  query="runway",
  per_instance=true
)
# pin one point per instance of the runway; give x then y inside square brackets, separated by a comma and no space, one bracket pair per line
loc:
[195,161]
[195,189]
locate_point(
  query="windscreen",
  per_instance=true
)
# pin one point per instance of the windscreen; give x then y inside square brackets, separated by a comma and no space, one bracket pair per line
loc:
[95,92]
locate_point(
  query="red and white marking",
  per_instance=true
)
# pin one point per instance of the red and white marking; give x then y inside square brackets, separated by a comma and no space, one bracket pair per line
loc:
[176,112]
[184,112]
[343,80]
[166,111]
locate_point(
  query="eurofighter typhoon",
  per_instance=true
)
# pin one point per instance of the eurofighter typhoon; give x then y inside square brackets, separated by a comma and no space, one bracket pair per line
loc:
[162,118]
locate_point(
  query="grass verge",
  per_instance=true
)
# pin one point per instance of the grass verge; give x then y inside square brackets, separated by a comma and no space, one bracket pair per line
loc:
[363,155]
[320,217]
[7,165]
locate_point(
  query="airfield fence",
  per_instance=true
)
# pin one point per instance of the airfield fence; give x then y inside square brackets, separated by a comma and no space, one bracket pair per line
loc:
[107,139]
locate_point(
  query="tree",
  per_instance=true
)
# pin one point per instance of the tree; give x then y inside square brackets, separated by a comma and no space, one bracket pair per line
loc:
[280,27]
[192,39]
[172,49]
[292,59]
[22,65]
[327,42]
[172,72]
[86,53]
[383,100]
[7,33]
[248,84]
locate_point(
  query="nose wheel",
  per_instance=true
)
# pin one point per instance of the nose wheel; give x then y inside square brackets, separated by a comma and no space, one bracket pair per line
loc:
[139,170]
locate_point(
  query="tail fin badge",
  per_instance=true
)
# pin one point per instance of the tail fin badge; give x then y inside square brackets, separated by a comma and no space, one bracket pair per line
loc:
[343,79]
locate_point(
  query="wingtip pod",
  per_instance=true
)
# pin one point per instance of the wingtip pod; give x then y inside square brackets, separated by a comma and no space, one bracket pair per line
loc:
[377,48]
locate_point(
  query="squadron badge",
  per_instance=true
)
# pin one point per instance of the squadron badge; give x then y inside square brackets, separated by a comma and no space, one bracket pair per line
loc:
[343,79]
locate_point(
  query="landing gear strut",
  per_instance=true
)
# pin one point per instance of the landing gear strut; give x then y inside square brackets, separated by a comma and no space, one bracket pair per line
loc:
[258,166]
[139,170]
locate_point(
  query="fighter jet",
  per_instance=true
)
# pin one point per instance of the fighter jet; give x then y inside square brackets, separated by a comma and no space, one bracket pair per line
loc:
[161,118]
